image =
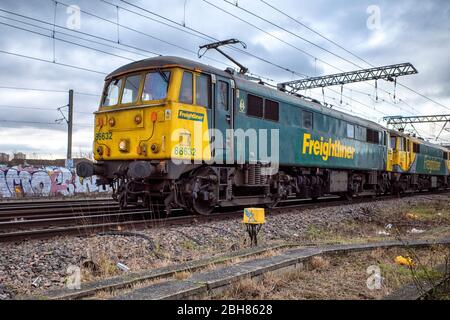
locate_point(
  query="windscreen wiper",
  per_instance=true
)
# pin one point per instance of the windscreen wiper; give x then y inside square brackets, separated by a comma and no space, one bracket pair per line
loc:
[163,75]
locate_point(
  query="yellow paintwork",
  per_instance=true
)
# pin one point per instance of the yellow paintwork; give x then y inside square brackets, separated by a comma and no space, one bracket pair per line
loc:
[254,216]
[389,163]
[404,159]
[175,137]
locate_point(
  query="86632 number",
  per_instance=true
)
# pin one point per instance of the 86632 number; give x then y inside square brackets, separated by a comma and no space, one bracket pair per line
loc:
[103,136]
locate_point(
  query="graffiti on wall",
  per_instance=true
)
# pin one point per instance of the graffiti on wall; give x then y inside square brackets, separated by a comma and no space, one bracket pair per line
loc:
[44,182]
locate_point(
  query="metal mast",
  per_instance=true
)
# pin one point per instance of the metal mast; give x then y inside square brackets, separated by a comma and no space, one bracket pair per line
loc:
[389,73]
[399,122]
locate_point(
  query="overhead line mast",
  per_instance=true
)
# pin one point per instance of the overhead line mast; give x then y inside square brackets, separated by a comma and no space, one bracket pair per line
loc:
[399,122]
[389,73]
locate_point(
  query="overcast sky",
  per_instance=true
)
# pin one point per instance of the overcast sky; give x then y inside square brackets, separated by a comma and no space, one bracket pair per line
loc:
[380,32]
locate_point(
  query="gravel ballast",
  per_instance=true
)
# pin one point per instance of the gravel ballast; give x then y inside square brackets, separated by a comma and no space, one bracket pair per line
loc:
[31,267]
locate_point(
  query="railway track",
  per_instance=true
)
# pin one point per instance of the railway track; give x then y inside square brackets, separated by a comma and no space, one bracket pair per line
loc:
[12,204]
[110,218]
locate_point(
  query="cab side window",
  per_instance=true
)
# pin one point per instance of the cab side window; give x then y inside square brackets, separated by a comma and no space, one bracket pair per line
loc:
[393,142]
[307,120]
[223,95]
[203,91]
[186,88]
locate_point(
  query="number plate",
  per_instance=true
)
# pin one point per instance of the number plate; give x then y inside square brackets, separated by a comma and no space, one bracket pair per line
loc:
[103,136]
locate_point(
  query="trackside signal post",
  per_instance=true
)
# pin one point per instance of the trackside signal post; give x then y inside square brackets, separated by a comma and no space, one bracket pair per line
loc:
[254,218]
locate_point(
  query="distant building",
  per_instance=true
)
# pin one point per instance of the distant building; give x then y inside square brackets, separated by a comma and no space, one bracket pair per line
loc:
[20,156]
[4,157]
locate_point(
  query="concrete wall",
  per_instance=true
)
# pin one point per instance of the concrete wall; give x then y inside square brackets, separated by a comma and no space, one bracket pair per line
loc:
[45,181]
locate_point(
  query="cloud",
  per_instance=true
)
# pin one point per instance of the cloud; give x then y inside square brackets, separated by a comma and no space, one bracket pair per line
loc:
[411,31]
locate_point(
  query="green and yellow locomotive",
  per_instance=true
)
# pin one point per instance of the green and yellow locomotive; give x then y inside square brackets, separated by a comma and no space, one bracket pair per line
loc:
[180,134]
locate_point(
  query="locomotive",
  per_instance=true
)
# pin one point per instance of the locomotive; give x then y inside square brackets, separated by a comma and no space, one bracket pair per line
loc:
[176,133]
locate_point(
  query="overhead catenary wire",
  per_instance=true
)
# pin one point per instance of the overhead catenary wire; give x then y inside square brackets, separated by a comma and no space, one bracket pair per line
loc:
[48,90]
[140,32]
[316,32]
[160,16]
[279,39]
[294,34]
[46,123]
[298,73]
[80,38]
[269,34]
[50,61]
[39,108]
[198,34]
[67,41]
[353,54]
[79,32]
[126,2]
[41,21]
[104,73]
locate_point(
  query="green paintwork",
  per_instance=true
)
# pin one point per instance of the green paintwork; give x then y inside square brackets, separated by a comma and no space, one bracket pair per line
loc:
[328,124]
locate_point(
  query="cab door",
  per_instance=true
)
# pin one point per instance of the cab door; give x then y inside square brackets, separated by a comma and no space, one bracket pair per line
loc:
[223,119]
[408,154]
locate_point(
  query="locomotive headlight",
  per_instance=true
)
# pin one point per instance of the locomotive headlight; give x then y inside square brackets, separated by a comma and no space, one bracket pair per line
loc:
[138,119]
[124,145]
[112,122]
[100,150]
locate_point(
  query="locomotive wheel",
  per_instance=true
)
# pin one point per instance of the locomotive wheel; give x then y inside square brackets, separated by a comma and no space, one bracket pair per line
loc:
[204,193]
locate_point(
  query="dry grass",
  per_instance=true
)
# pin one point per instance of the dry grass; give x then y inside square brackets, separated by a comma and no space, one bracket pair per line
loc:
[181,275]
[319,263]
[339,277]
[432,217]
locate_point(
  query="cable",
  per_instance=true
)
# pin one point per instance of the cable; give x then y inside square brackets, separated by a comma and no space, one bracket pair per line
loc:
[292,33]
[140,32]
[200,34]
[286,69]
[46,123]
[49,90]
[39,108]
[260,29]
[66,41]
[270,34]
[316,32]
[423,96]
[79,32]
[76,37]
[365,61]
[49,61]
